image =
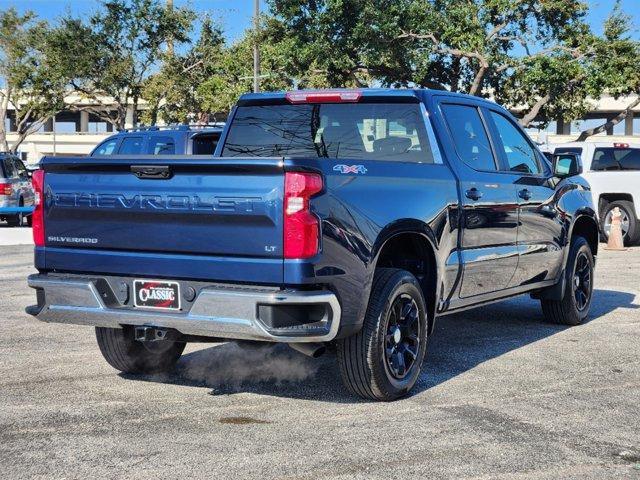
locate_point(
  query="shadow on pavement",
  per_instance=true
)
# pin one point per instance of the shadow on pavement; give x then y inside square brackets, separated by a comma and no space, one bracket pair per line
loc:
[460,342]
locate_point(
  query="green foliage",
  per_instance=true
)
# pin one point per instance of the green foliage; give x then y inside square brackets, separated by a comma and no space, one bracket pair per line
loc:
[210,77]
[116,51]
[538,57]
[616,58]
[30,83]
[172,92]
[234,75]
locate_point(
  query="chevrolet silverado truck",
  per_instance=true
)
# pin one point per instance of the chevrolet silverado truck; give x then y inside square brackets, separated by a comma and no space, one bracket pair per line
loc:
[613,172]
[345,218]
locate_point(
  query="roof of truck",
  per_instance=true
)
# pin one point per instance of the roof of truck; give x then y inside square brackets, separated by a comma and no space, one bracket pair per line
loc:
[397,93]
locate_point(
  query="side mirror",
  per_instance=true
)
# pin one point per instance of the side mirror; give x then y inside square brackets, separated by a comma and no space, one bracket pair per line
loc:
[567,165]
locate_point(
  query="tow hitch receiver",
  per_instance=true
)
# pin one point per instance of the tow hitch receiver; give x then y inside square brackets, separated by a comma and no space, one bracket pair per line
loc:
[152,334]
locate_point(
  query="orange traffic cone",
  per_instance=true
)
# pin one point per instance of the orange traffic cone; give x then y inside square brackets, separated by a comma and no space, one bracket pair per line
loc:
[615,234]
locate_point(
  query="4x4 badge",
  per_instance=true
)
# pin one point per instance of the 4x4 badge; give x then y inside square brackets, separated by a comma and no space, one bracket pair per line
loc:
[350,169]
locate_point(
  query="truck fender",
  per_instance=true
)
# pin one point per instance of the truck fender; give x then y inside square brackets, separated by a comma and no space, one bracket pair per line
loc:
[415,227]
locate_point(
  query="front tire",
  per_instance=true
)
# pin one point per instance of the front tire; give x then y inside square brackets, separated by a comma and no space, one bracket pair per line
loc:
[574,306]
[124,353]
[383,360]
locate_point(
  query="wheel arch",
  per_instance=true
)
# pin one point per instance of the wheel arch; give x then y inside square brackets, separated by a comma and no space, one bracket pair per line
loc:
[587,226]
[606,198]
[411,245]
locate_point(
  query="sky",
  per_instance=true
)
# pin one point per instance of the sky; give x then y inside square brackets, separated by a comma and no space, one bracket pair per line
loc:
[235,15]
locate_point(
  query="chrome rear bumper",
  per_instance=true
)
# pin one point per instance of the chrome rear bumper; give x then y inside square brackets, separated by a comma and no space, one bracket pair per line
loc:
[232,313]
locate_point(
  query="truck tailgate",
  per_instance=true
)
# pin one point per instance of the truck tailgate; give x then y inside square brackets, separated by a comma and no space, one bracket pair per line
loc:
[167,205]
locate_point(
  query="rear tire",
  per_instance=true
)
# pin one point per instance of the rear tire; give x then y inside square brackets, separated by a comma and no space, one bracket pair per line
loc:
[16,220]
[574,306]
[383,360]
[628,211]
[123,353]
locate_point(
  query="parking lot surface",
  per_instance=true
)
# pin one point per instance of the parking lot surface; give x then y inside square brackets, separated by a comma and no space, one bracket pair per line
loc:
[502,395]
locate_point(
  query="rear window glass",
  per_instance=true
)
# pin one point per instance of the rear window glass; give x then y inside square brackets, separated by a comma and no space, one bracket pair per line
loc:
[616,159]
[161,146]
[107,148]
[205,144]
[9,170]
[393,132]
[469,136]
[131,146]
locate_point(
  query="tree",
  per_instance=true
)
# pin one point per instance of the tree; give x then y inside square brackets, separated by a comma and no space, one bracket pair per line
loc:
[527,54]
[233,75]
[172,93]
[30,85]
[338,43]
[616,67]
[116,51]
[210,77]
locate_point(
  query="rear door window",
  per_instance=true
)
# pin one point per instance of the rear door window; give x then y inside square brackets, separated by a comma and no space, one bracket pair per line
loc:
[366,131]
[469,136]
[205,143]
[520,155]
[9,169]
[21,169]
[161,146]
[616,159]
[131,146]
[107,148]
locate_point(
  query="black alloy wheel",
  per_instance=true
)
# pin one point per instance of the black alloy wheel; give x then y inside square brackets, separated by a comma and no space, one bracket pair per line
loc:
[402,340]
[582,281]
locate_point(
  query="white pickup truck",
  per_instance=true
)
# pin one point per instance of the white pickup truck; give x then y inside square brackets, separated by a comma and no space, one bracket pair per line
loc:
[613,171]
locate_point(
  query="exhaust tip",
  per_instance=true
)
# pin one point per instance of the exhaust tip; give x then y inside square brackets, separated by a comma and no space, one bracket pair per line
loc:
[313,350]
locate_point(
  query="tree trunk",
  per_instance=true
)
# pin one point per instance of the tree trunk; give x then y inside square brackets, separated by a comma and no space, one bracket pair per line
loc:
[614,121]
[4,104]
[533,113]
[4,145]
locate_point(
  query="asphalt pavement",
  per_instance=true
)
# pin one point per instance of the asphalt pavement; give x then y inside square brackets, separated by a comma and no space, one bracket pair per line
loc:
[503,395]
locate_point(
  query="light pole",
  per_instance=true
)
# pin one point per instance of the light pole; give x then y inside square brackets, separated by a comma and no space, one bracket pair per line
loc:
[256,50]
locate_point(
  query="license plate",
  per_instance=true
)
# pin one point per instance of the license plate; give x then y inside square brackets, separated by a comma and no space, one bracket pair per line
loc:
[156,294]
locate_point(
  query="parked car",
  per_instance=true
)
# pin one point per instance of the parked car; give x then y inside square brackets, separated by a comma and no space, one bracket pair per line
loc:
[169,140]
[613,171]
[16,193]
[349,217]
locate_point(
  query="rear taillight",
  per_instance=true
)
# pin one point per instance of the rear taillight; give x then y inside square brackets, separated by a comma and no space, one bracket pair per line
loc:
[6,189]
[301,227]
[37,220]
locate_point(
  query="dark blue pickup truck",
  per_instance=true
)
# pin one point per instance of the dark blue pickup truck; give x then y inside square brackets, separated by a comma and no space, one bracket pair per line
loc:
[344,217]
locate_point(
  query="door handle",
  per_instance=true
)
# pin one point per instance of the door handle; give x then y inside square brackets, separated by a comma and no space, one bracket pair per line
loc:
[155,172]
[524,194]
[473,194]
